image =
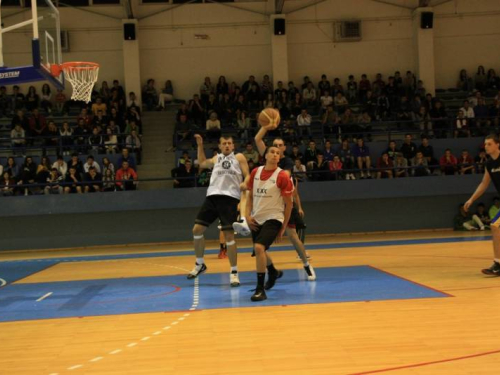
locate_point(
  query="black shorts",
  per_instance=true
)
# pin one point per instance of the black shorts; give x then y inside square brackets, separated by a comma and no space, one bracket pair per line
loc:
[296,220]
[222,207]
[266,233]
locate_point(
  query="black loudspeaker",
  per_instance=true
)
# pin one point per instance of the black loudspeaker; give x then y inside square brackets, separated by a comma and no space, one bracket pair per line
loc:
[426,20]
[129,31]
[279,26]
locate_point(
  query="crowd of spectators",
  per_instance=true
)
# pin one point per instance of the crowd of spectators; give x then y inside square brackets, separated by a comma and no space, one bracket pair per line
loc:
[480,220]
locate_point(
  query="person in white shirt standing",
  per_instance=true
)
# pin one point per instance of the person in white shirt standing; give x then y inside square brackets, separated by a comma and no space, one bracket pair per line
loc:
[269,205]
[223,197]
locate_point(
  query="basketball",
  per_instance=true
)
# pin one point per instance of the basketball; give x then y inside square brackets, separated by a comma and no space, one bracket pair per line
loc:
[269,118]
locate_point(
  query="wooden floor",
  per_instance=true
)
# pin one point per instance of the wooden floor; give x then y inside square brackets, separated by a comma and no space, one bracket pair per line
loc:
[455,335]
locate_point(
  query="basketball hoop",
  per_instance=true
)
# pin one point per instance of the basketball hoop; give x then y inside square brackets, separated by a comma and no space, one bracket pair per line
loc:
[81,75]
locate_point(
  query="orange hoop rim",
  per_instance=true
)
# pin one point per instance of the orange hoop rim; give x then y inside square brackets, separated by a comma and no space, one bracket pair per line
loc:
[56,69]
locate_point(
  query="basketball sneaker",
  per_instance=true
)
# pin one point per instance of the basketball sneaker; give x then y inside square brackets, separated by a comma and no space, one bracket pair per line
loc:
[242,228]
[197,270]
[234,279]
[222,253]
[494,270]
[311,275]
[271,279]
[259,295]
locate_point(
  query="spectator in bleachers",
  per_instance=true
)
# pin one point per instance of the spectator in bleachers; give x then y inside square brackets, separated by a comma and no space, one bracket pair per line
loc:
[361,153]
[480,161]
[304,123]
[324,84]
[133,142]
[266,87]
[125,156]
[408,148]
[38,124]
[400,165]
[328,151]
[352,90]
[392,150]
[494,113]
[108,180]
[464,81]
[483,215]
[305,83]
[212,105]
[383,107]
[320,169]
[27,174]
[427,151]
[117,118]
[66,134]
[105,92]
[419,165]
[226,108]
[438,117]
[18,99]
[196,111]
[185,157]
[132,102]
[100,120]
[296,154]
[206,88]
[20,118]
[253,97]
[474,98]
[11,167]
[326,100]
[1,170]
[423,119]
[481,114]
[52,136]
[347,158]
[480,79]
[292,91]
[118,94]
[183,110]
[296,105]
[250,153]
[495,208]
[378,85]
[106,164]
[299,170]
[222,87]
[337,87]
[467,110]
[311,155]
[91,163]
[465,220]
[45,161]
[46,98]
[448,163]
[309,95]
[392,93]
[269,102]
[336,168]
[290,132]
[242,125]
[465,163]
[53,182]
[18,138]
[126,177]
[32,99]
[403,109]
[278,93]
[41,178]
[493,81]
[96,142]
[184,175]
[132,126]
[72,182]
[81,136]
[364,87]
[182,130]
[409,83]
[166,95]
[92,181]
[99,106]
[7,184]
[340,102]
[461,126]
[420,89]
[60,166]
[213,126]
[385,166]
[4,102]
[77,164]
[330,121]
[60,101]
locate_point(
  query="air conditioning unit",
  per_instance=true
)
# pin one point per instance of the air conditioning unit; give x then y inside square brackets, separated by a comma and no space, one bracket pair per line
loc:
[347,31]
[64,41]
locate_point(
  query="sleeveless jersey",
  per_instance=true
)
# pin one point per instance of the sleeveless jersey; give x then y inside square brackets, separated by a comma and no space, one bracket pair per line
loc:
[268,204]
[226,177]
[493,168]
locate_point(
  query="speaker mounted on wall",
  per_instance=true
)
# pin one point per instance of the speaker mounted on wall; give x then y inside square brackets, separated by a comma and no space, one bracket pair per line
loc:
[279,26]
[129,31]
[426,20]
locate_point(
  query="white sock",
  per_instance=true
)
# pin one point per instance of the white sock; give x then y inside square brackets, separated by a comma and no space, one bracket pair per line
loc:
[200,261]
[306,264]
[234,269]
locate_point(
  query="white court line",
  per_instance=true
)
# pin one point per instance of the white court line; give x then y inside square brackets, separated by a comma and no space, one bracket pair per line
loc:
[43,297]
[2,282]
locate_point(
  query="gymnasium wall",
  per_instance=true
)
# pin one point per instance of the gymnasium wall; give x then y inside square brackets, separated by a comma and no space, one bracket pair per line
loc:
[36,222]
[466,34]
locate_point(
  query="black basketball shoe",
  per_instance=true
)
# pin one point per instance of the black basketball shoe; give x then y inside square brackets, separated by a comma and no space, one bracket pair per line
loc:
[259,295]
[271,279]
[494,270]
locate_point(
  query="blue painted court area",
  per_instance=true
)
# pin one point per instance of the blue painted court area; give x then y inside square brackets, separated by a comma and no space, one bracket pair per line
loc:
[174,293]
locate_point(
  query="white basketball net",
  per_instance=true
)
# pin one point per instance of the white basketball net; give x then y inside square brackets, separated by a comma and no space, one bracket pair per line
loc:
[82,78]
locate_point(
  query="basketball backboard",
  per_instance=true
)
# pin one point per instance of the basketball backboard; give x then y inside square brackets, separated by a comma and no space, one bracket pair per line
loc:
[45,46]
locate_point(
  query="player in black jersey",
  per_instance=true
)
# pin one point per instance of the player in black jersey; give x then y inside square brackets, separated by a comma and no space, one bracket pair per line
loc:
[492,173]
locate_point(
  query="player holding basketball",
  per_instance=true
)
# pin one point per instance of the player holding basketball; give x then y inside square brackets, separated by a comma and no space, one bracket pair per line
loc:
[223,196]
[492,173]
[269,204]
[296,221]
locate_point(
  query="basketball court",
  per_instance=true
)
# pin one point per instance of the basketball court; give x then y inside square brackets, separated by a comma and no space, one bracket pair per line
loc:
[409,303]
